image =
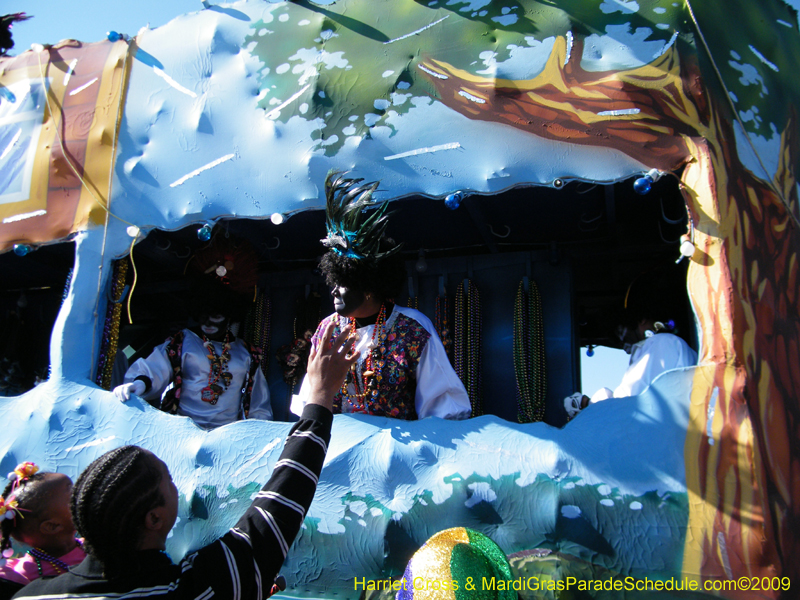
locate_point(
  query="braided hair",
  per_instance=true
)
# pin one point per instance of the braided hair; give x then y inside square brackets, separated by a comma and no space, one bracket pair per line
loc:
[109,503]
[31,494]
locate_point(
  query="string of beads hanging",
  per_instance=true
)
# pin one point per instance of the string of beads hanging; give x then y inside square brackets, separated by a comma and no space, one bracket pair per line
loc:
[441,321]
[108,349]
[529,359]
[258,326]
[467,345]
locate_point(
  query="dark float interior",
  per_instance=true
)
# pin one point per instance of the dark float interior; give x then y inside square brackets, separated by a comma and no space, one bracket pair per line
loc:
[582,245]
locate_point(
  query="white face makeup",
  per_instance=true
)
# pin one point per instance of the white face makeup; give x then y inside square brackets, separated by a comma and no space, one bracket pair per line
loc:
[346,301]
[214,326]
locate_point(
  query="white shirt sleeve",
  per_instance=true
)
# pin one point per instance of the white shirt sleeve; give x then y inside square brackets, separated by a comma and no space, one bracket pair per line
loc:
[156,367]
[440,392]
[660,353]
[260,405]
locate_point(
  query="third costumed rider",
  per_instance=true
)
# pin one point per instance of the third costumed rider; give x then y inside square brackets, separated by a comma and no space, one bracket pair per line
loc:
[215,375]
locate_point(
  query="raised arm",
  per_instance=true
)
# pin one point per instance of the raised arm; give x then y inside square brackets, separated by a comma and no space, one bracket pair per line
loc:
[245,561]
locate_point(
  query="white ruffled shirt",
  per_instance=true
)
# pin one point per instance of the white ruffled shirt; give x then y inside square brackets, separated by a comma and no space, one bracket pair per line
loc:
[195,368]
[439,392]
[649,359]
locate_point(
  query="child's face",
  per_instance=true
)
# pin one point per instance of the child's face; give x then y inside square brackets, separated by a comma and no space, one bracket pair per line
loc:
[52,530]
[58,511]
[170,493]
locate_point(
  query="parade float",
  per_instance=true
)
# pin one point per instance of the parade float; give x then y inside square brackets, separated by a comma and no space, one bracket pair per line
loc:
[538,156]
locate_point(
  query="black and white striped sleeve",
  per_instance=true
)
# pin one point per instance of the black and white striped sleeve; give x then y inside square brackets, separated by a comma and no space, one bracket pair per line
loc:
[253,551]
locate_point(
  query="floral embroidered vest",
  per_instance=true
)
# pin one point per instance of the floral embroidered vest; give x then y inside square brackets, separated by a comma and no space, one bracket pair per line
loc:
[395,370]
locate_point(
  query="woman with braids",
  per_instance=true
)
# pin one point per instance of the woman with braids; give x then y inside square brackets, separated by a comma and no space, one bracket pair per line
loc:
[404,371]
[125,505]
[34,510]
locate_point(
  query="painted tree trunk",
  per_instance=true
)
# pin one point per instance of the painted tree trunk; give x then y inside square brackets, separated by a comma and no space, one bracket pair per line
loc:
[743,279]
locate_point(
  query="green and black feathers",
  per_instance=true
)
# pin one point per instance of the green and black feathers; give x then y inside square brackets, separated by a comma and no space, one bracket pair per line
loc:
[350,232]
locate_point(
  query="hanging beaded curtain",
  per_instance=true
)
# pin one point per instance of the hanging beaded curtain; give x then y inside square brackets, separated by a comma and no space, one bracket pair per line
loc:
[108,349]
[257,327]
[467,346]
[441,321]
[413,302]
[529,362]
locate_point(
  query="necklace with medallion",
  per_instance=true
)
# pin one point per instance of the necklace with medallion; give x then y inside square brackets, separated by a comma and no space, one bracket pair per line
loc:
[219,378]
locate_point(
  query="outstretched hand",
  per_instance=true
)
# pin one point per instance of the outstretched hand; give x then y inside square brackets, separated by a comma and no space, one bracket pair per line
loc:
[124,391]
[328,365]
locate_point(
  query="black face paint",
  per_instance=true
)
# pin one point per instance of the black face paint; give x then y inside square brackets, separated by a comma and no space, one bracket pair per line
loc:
[214,327]
[347,301]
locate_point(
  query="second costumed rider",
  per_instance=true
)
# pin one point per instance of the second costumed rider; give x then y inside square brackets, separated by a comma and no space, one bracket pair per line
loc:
[403,370]
[216,377]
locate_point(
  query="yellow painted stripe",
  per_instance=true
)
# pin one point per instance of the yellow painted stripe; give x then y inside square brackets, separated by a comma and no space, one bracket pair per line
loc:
[101,142]
[40,175]
[697,525]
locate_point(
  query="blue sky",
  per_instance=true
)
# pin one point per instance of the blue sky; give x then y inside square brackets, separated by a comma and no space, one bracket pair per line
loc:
[89,20]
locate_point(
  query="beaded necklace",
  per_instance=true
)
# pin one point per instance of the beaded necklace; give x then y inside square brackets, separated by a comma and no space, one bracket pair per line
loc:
[219,370]
[40,555]
[366,385]
[257,329]
[467,345]
[458,342]
[474,324]
[529,360]
[441,321]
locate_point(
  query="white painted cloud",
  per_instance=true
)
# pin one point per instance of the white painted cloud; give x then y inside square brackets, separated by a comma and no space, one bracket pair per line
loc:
[769,151]
[750,75]
[524,62]
[481,492]
[471,5]
[312,58]
[623,6]
[620,49]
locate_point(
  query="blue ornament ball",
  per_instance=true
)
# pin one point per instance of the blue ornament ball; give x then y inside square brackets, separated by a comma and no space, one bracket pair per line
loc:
[589,351]
[21,249]
[204,233]
[114,36]
[643,185]
[453,201]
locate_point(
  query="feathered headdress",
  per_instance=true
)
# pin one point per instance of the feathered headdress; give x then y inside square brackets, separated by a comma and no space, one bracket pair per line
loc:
[349,233]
